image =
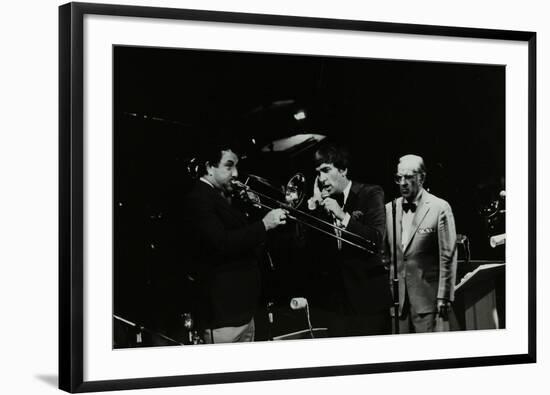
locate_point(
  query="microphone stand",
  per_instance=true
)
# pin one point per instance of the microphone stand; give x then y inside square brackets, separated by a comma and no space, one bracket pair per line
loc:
[270,302]
[270,321]
[395,280]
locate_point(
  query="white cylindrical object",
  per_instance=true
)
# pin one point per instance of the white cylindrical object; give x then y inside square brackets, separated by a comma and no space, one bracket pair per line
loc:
[298,303]
[497,240]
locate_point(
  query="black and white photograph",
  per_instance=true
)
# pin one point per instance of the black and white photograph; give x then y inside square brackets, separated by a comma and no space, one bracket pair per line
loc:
[271,196]
[252,197]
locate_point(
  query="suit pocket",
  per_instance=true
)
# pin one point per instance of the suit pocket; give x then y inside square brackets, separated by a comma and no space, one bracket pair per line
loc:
[425,243]
[426,231]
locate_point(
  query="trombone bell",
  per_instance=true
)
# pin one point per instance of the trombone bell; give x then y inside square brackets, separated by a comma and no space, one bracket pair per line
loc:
[295,190]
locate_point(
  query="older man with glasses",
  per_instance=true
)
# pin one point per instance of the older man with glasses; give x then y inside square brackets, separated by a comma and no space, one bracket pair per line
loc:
[425,249]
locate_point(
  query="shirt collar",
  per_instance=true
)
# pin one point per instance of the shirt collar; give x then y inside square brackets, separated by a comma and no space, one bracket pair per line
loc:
[207,182]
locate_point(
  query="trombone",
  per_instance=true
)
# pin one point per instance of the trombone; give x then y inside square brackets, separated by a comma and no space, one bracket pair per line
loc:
[294,193]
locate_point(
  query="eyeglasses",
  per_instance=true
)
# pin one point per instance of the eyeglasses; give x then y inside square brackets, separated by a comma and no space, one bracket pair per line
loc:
[398,178]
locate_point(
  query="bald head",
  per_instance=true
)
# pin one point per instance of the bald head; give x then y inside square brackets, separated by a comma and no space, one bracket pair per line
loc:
[411,174]
[414,162]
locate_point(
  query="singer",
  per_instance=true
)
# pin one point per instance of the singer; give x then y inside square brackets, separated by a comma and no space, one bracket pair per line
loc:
[350,285]
[224,248]
[426,249]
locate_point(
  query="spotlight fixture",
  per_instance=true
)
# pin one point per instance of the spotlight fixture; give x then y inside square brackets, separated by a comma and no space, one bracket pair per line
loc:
[300,115]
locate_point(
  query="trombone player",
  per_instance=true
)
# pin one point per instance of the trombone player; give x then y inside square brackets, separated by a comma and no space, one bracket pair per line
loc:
[224,245]
[351,285]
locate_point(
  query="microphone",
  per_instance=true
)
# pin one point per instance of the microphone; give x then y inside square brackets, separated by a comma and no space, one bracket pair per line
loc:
[497,240]
[298,303]
[301,304]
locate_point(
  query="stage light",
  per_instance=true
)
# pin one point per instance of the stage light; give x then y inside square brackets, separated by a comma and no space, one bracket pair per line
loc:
[300,115]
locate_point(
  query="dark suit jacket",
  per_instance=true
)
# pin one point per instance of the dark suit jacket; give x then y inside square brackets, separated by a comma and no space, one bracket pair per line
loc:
[357,277]
[427,265]
[224,248]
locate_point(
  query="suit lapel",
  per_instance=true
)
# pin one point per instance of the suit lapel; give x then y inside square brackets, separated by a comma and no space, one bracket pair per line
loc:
[223,204]
[421,211]
[232,210]
[349,205]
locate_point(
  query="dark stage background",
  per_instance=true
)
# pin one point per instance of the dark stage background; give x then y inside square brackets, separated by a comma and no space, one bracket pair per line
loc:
[169,103]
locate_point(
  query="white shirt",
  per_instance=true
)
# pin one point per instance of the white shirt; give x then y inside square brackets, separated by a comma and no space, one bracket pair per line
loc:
[207,182]
[343,223]
[312,205]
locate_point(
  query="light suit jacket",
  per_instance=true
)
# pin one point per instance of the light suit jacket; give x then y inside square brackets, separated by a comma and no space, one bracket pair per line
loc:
[427,264]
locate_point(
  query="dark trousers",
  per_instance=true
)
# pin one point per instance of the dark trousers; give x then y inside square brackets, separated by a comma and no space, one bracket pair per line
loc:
[341,322]
[361,325]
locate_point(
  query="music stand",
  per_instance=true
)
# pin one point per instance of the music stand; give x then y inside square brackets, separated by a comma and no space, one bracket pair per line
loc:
[479,298]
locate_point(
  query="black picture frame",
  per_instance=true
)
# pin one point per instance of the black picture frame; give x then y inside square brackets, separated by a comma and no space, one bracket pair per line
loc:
[71,195]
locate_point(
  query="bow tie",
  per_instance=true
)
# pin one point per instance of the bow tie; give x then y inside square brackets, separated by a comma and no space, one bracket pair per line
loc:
[409,206]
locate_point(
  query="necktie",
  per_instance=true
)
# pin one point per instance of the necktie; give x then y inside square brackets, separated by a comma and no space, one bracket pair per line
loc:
[409,206]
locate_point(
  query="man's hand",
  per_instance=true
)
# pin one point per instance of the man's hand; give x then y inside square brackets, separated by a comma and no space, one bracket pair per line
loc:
[316,200]
[253,198]
[333,208]
[275,218]
[443,307]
